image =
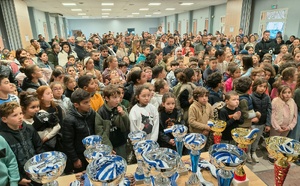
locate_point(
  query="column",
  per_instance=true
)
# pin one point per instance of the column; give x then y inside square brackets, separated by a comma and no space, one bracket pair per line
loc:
[246,15]
[211,17]
[32,22]
[58,26]
[47,15]
[176,24]
[65,27]
[191,21]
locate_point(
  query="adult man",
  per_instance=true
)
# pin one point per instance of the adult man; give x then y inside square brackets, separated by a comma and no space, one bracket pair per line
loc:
[148,42]
[265,45]
[79,48]
[44,45]
[71,41]
[202,45]
[34,48]
[170,46]
[53,54]
[95,55]
[111,42]
[103,56]
[128,43]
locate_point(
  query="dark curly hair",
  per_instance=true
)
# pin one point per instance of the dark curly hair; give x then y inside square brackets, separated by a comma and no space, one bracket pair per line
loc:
[243,84]
[214,79]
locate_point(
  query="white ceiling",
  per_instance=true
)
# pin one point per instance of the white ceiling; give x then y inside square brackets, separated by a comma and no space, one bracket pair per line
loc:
[120,9]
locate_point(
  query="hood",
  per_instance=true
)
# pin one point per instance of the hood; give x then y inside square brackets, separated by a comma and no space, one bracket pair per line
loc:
[27,83]
[5,128]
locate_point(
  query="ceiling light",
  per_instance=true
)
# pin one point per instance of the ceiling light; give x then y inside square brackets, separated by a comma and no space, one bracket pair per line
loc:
[105,13]
[186,4]
[144,9]
[82,14]
[135,13]
[106,9]
[154,4]
[148,15]
[104,16]
[107,4]
[170,8]
[69,4]
[76,10]
[156,12]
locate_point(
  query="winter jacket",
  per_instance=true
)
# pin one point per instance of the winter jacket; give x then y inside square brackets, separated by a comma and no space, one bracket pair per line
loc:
[63,57]
[264,47]
[214,97]
[64,103]
[262,104]
[24,142]
[246,107]
[198,117]
[80,51]
[29,86]
[77,126]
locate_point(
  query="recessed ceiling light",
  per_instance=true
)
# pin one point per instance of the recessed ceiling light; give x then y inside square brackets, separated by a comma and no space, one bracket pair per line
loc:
[69,4]
[154,4]
[170,8]
[130,16]
[76,10]
[106,9]
[186,4]
[104,16]
[148,15]
[105,13]
[144,9]
[107,4]
[156,12]
[135,13]
[82,14]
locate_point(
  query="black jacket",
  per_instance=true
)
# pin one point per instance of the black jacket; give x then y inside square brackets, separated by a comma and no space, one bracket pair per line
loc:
[264,47]
[80,51]
[262,104]
[25,143]
[27,83]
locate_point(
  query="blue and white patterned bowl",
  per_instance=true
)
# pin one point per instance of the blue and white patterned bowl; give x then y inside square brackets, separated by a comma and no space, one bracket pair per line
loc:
[136,136]
[91,141]
[96,152]
[108,170]
[194,141]
[226,156]
[46,167]
[144,146]
[179,131]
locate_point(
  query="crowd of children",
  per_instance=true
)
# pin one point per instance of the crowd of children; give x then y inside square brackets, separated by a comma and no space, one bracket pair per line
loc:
[146,88]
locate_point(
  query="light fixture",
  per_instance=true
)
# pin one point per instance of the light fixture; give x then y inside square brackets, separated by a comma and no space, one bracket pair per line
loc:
[135,13]
[186,4]
[69,4]
[76,10]
[108,9]
[154,4]
[156,12]
[82,14]
[170,8]
[144,9]
[105,13]
[107,4]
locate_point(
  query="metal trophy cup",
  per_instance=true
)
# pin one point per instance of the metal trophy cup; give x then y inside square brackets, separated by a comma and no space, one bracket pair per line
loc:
[91,141]
[140,148]
[216,125]
[162,163]
[46,167]
[96,152]
[284,150]
[194,142]
[226,157]
[243,137]
[135,137]
[179,132]
[107,171]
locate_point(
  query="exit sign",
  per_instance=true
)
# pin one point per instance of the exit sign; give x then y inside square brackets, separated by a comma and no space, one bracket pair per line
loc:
[274,6]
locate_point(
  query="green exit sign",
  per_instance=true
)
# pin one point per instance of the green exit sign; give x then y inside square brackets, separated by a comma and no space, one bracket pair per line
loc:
[274,6]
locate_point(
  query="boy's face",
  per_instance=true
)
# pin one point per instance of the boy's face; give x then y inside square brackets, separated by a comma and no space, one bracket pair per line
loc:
[124,69]
[174,67]
[79,67]
[203,99]
[84,106]
[91,86]
[233,101]
[121,93]
[72,60]
[213,64]
[113,101]
[250,51]
[148,74]
[163,74]
[15,119]
[5,86]
[182,65]
[165,89]
[146,51]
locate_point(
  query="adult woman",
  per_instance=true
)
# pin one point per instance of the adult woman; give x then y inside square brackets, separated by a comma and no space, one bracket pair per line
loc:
[247,62]
[122,51]
[33,79]
[187,47]
[46,66]
[136,50]
[89,68]
[110,65]
[251,42]
[64,53]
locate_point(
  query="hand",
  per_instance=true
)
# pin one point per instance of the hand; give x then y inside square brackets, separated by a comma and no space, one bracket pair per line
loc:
[25,182]
[267,128]
[172,142]
[237,115]
[254,120]
[114,152]
[285,129]
[77,164]
[78,175]
[120,110]
[205,132]
[44,139]
[258,114]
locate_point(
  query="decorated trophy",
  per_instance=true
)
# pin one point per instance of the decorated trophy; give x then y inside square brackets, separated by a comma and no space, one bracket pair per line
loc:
[143,147]
[91,141]
[46,167]
[96,152]
[135,137]
[284,150]
[243,137]
[107,171]
[194,142]
[216,125]
[163,164]
[226,157]
[179,132]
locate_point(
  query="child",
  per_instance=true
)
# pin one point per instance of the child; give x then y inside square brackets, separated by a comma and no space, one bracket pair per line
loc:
[148,71]
[71,61]
[171,76]
[200,112]
[214,86]
[71,71]
[234,72]
[32,81]
[5,90]
[14,90]
[144,54]
[144,116]
[87,83]
[261,103]
[124,68]
[198,74]
[124,102]
[70,84]
[25,62]
[169,115]
[79,67]
[247,64]
[231,114]
[8,165]
[135,78]
[81,121]
[30,105]
[117,116]
[295,133]
[211,69]
[160,87]
[158,72]
[23,140]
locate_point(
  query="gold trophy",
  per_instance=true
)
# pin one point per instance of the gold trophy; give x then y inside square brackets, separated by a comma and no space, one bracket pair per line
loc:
[216,125]
[284,150]
[243,137]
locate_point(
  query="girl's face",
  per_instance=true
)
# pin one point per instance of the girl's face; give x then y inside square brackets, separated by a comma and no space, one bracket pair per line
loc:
[236,73]
[48,95]
[26,63]
[286,94]
[71,84]
[228,57]
[169,104]
[166,88]
[44,57]
[121,93]
[114,63]
[37,72]
[57,91]
[283,49]
[261,88]
[32,108]
[250,51]
[71,71]
[59,78]
[255,60]
[23,53]
[148,74]
[152,92]
[143,78]
[144,97]
[212,52]
[79,67]
[66,48]
[126,60]
[90,64]
[297,58]
[267,75]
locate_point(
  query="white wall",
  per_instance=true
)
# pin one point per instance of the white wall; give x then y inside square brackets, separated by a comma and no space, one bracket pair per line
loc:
[171,20]
[184,18]
[53,26]
[200,15]
[101,26]
[220,10]
[40,19]
[61,27]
